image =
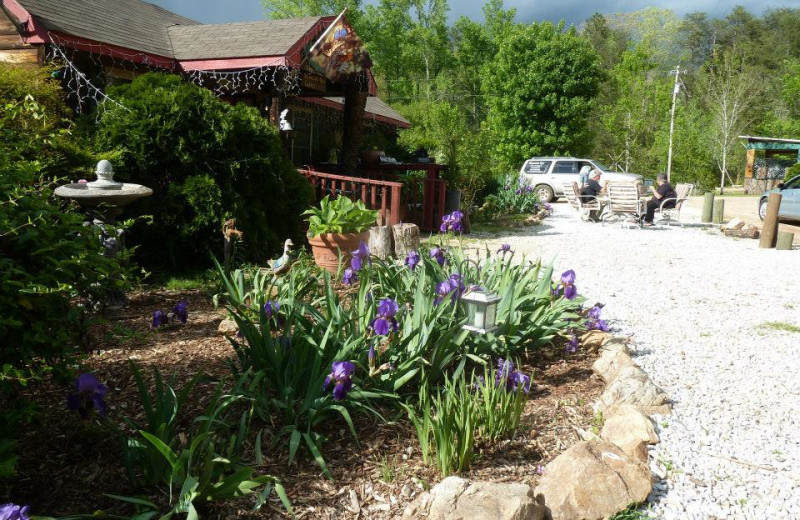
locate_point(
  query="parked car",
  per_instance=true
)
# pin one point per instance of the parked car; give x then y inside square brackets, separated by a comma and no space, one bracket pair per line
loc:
[548,174]
[790,200]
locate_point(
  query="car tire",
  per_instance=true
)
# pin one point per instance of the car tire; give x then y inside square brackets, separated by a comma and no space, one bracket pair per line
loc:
[545,193]
[762,209]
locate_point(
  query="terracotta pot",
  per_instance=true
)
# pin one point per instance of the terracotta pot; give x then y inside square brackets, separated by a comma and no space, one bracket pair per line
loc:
[326,248]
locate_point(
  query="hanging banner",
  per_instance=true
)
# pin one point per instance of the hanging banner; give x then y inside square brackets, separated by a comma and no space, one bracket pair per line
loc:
[339,52]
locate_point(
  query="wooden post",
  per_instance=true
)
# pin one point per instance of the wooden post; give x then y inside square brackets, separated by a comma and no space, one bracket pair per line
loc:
[719,211]
[769,232]
[353,119]
[708,205]
[380,241]
[785,240]
[406,239]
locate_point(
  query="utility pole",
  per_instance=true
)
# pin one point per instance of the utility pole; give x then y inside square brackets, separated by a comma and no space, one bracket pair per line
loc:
[675,90]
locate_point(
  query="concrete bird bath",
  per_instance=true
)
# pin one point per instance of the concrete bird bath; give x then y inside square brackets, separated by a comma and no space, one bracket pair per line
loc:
[105,197]
[104,194]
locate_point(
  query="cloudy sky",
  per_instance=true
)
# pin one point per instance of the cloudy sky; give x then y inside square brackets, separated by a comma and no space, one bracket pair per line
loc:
[573,11]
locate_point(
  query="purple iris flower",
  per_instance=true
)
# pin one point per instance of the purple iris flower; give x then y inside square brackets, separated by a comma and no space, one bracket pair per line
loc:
[88,393]
[386,321]
[181,311]
[594,312]
[504,248]
[568,284]
[341,373]
[509,378]
[442,290]
[412,260]
[271,308]
[159,318]
[371,354]
[349,277]
[548,207]
[594,322]
[457,286]
[540,470]
[572,345]
[528,189]
[14,512]
[360,256]
[452,222]
[438,254]
[518,191]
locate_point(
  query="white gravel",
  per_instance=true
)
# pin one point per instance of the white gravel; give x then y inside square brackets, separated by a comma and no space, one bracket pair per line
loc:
[697,306]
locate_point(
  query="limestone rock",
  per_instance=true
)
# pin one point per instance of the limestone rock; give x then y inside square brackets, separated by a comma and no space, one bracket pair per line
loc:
[748,231]
[632,386]
[593,339]
[629,429]
[609,364]
[457,499]
[735,223]
[615,344]
[592,480]
[227,327]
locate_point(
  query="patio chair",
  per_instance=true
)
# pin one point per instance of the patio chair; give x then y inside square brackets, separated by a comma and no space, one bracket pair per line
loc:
[669,215]
[581,204]
[624,203]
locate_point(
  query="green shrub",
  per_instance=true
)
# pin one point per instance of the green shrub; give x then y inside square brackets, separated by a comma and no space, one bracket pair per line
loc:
[206,161]
[51,269]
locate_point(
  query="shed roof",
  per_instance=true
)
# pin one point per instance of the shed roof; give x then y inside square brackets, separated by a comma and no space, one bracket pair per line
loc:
[135,24]
[767,140]
[239,40]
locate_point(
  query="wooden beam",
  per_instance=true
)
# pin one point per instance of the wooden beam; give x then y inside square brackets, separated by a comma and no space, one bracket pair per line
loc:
[355,101]
[29,56]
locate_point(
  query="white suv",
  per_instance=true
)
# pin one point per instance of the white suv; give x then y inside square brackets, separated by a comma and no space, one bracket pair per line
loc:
[548,174]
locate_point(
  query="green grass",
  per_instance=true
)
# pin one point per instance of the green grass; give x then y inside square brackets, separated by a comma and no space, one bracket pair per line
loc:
[204,280]
[781,326]
[631,513]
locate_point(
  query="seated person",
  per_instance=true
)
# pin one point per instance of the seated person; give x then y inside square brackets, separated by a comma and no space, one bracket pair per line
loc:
[593,187]
[590,192]
[664,191]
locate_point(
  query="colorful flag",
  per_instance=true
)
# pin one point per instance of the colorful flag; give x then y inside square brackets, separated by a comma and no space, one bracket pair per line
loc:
[339,52]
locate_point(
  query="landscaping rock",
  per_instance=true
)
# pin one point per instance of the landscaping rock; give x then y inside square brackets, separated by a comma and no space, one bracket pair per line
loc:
[632,386]
[609,364]
[748,231]
[629,429]
[592,480]
[457,499]
[593,340]
[615,344]
[227,327]
[735,223]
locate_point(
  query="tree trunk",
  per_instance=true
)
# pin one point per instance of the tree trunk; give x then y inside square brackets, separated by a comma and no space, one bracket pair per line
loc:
[380,241]
[353,119]
[406,239]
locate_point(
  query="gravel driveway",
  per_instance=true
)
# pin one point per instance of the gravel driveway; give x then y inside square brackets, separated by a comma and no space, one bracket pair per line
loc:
[715,321]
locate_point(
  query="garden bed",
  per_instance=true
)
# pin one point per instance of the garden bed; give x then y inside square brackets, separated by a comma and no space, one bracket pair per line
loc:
[67,465]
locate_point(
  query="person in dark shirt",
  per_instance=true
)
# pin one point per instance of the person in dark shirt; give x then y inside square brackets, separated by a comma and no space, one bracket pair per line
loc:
[664,191]
[591,191]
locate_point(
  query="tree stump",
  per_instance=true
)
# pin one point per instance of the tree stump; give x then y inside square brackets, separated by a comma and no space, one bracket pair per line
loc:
[784,242]
[380,241]
[406,239]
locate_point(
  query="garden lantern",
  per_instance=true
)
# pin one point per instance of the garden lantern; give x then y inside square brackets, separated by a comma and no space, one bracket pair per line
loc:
[481,310]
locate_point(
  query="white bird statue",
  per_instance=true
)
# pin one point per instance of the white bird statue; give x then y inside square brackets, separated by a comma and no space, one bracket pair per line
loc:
[283,124]
[282,264]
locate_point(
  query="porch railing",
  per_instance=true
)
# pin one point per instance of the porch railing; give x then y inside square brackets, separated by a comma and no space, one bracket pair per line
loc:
[397,197]
[384,196]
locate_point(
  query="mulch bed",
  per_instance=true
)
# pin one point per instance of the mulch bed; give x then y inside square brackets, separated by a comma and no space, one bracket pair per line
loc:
[66,465]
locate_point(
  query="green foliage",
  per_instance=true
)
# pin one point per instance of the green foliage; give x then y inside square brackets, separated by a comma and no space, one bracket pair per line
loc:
[498,409]
[543,81]
[51,269]
[511,199]
[206,161]
[340,215]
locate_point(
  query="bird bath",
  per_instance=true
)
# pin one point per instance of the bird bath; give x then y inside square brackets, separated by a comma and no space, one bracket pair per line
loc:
[105,197]
[105,194]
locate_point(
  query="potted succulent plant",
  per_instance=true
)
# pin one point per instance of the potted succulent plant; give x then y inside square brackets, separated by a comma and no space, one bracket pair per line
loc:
[336,228]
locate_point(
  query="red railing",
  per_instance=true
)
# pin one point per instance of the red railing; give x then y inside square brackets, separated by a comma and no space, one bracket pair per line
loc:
[384,196]
[399,198]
